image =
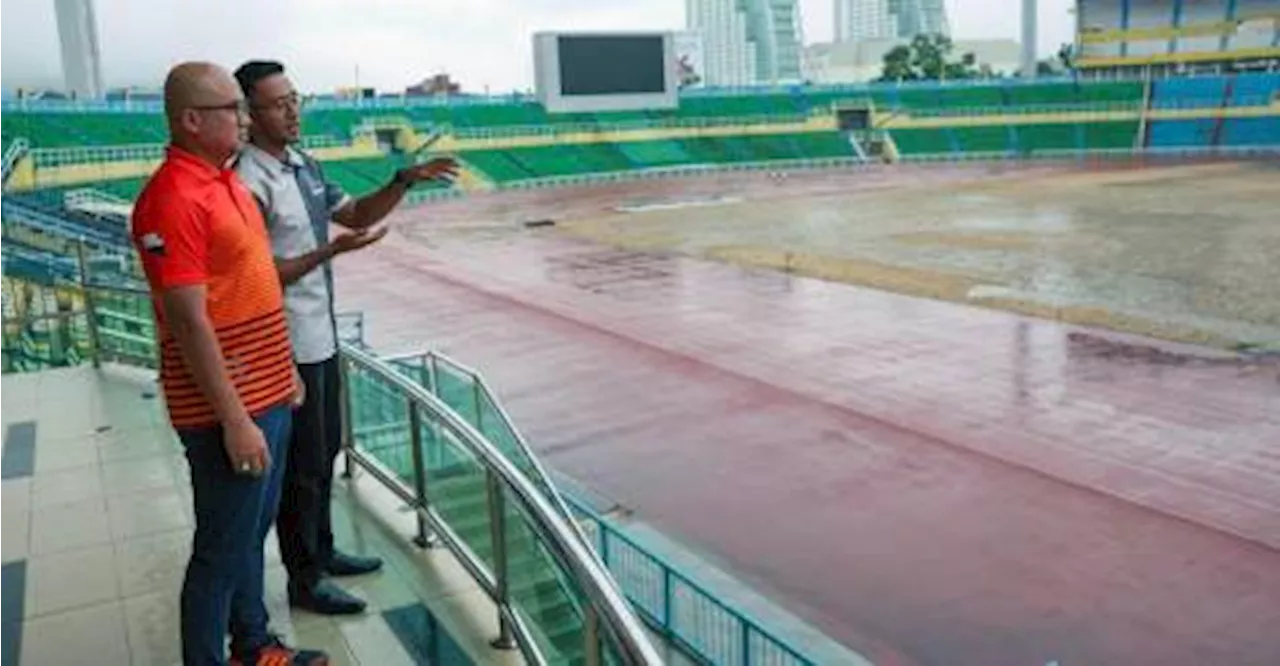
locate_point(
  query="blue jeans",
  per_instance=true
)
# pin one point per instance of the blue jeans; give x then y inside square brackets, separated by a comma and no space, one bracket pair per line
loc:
[224,582]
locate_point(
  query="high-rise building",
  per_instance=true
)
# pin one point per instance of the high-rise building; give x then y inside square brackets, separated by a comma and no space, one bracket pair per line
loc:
[81,62]
[729,58]
[747,41]
[857,20]
[775,27]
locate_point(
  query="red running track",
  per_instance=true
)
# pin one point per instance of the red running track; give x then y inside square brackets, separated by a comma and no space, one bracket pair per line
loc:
[928,483]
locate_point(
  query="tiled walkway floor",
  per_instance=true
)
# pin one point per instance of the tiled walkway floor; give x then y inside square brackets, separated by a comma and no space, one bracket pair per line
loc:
[928,482]
[96,536]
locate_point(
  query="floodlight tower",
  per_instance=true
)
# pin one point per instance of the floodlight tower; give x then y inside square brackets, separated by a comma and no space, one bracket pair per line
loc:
[1028,38]
[81,61]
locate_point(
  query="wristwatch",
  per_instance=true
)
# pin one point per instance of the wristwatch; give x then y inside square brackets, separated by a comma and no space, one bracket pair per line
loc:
[402,179]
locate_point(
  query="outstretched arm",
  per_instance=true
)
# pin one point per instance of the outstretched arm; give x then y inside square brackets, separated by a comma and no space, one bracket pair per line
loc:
[370,210]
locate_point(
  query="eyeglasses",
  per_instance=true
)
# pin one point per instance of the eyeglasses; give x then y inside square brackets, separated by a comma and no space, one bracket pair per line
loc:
[284,103]
[239,106]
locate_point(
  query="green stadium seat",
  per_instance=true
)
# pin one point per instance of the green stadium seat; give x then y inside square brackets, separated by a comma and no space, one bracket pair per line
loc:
[1038,138]
[921,141]
[1111,135]
[983,139]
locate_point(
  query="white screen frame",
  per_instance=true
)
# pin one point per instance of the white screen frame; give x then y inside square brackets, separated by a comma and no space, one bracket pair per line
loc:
[546,73]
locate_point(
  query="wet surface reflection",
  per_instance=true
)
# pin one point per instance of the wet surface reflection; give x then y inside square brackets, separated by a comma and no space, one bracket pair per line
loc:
[926,481]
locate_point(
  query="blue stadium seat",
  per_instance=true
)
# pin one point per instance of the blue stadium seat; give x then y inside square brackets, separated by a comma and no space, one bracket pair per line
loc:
[1181,133]
[1189,92]
[1255,89]
[1251,132]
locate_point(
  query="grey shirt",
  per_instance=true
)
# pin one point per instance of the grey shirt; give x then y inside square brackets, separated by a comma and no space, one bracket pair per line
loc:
[298,203]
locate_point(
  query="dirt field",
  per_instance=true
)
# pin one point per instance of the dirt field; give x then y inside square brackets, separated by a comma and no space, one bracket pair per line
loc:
[1185,253]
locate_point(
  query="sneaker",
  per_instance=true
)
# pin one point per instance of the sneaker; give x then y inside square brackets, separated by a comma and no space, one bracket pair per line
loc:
[277,653]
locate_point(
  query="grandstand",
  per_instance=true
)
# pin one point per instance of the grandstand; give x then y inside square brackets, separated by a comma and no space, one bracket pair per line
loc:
[1162,37]
[516,143]
[70,171]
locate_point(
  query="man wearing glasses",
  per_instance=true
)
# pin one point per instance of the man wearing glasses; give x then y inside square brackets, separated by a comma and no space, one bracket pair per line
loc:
[299,203]
[225,364]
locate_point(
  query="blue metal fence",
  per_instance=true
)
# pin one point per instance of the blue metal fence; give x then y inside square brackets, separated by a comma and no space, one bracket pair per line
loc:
[681,609]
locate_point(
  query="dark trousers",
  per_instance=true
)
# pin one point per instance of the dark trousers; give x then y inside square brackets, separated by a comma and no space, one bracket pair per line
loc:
[233,512]
[304,527]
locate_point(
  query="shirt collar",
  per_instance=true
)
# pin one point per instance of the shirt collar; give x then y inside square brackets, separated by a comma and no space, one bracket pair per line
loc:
[194,164]
[292,158]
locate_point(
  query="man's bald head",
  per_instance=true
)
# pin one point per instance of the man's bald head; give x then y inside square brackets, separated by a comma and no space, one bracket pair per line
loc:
[196,84]
[205,109]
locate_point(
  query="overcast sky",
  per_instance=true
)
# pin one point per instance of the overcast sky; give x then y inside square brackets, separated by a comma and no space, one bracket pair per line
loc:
[393,42]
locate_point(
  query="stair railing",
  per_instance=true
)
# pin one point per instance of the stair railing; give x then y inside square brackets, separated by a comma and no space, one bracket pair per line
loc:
[12,154]
[611,632]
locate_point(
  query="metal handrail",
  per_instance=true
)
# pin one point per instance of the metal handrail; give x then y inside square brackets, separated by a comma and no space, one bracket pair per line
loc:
[747,627]
[540,472]
[663,619]
[606,125]
[606,602]
[606,611]
[13,153]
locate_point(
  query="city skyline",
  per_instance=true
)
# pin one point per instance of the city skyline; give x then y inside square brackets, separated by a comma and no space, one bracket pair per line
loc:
[855,20]
[390,44]
[721,27]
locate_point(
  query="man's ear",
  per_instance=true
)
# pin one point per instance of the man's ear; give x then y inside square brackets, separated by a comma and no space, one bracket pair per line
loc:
[189,120]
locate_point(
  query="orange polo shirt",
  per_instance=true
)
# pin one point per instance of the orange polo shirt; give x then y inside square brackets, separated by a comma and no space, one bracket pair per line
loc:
[196,224]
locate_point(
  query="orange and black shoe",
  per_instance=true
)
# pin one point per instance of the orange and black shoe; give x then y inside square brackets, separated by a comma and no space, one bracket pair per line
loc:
[277,653]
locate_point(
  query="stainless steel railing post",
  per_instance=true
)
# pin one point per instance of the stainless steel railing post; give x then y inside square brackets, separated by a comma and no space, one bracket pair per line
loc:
[90,306]
[591,636]
[498,533]
[433,386]
[476,390]
[424,539]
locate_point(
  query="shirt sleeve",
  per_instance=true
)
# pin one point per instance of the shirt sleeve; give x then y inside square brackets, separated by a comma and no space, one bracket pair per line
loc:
[256,184]
[171,235]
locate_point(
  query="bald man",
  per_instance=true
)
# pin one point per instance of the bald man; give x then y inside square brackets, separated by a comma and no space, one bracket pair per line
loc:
[226,364]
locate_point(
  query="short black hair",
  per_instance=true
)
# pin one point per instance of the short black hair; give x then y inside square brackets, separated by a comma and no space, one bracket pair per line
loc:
[249,74]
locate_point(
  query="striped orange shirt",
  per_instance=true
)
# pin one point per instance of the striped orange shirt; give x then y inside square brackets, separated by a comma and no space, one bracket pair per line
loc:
[196,224]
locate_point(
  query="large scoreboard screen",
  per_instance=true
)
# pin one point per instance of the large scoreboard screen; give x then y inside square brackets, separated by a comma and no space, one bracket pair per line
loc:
[593,65]
[584,72]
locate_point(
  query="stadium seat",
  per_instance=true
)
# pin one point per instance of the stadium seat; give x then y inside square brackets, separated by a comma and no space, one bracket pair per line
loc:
[1255,25]
[1254,89]
[1251,131]
[1153,24]
[1032,139]
[1111,135]
[983,139]
[1192,91]
[911,111]
[922,141]
[1181,133]
[68,129]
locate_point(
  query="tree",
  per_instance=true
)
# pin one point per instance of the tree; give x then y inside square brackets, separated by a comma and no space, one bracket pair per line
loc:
[1067,56]
[1062,61]
[927,58]
[897,65]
